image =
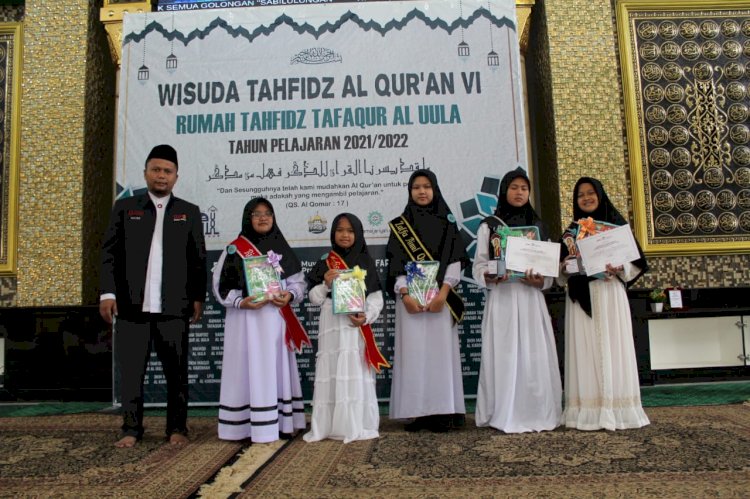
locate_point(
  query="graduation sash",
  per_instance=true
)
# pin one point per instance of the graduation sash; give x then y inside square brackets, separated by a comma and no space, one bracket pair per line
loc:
[417,252]
[294,335]
[372,352]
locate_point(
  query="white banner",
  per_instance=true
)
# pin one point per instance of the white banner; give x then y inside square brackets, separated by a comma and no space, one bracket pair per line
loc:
[322,109]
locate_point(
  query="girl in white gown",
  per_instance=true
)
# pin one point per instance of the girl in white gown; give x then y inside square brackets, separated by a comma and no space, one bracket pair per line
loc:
[601,374]
[261,394]
[519,376]
[427,384]
[345,404]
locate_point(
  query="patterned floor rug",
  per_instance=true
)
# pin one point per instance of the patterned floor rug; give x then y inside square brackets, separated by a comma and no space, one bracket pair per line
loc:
[685,452]
[73,456]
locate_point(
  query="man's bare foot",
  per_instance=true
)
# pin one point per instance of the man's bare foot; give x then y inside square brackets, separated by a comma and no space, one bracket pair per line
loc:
[178,439]
[126,442]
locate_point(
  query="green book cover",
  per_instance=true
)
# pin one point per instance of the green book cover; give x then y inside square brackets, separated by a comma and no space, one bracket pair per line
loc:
[261,278]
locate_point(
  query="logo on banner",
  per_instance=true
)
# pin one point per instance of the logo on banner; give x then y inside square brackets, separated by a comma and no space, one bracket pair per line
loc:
[375,218]
[317,224]
[209,222]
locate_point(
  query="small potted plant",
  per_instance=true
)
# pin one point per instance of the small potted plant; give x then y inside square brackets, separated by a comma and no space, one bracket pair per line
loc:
[657,297]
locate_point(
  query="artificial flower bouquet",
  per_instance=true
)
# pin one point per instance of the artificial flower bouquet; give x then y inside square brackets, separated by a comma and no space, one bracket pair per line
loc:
[349,291]
[421,280]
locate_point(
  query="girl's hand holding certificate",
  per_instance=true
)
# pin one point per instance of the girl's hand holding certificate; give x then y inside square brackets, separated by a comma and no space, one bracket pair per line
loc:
[533,279]
[612,272]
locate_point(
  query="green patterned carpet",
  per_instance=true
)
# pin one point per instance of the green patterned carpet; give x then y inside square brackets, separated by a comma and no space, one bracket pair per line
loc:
[734,392]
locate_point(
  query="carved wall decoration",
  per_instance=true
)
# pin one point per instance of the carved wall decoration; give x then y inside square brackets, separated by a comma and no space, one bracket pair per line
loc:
[686,75]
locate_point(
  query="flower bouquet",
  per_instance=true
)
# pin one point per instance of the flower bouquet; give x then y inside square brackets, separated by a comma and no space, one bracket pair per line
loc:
[421,280]
[349,291]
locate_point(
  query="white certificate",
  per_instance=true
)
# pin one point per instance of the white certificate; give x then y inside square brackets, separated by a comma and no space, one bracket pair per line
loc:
[522,254]
[615,246]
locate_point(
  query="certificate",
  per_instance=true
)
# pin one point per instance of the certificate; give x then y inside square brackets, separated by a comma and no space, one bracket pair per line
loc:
[499,241]
[543,257]
[616,247]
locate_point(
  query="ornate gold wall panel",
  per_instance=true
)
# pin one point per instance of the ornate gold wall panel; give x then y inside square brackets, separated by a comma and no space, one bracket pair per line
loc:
[65,149]
[686,80]
[586,99]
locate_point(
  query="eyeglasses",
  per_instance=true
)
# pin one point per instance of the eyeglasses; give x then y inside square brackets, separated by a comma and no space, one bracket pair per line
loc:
[261,214]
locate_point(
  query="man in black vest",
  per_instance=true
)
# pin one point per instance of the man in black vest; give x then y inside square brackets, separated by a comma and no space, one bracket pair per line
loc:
[153,282]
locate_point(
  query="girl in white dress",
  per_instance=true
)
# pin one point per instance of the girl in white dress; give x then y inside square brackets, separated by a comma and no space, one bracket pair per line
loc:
[345,405]
[519,376]
[261,394]
[601,374]
[427,384]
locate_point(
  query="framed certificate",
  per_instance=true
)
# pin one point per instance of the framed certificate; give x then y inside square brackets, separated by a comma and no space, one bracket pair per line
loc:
[261,278]
[348,294]
[674,297]
[421,280]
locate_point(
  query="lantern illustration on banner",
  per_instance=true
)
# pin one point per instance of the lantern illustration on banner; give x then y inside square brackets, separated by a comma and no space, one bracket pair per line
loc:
[171,58]
[492,58]
[143,70]
[463,47]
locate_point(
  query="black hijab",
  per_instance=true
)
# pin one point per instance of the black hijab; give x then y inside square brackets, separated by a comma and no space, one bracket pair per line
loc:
[515,216]
[232,273]
[578,285]
[357,254]
[435,226]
